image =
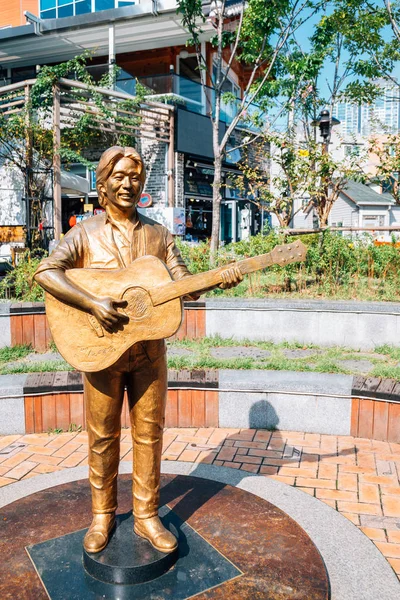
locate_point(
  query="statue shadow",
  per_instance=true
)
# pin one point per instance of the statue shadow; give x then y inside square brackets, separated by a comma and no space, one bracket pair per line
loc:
[186,496]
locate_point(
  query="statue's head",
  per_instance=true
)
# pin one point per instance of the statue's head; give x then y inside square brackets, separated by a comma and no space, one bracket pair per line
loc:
[120,177]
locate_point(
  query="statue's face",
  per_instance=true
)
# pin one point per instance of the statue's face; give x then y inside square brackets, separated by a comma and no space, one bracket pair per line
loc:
[124,185]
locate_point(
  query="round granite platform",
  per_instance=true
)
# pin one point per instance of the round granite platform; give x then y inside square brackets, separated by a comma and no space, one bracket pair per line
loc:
[272,556]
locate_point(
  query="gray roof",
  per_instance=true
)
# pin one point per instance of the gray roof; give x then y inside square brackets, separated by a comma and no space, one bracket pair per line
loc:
[359,193]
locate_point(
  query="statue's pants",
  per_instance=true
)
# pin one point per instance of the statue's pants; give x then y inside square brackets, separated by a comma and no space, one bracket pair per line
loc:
[146,381]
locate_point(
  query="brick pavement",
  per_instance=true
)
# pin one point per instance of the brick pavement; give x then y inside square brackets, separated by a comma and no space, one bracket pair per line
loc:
[358,477]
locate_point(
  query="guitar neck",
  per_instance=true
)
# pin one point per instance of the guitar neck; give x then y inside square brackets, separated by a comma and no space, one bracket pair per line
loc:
[210,279]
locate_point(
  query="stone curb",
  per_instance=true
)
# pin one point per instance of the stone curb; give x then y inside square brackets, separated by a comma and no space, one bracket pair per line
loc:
[254,380]
[256,399]
[356,568]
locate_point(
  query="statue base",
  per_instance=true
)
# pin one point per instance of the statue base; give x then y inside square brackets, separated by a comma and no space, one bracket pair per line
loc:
[232,544]
[128,558]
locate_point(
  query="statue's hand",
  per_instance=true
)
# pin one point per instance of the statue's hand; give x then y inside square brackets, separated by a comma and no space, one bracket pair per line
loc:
[104,309]
[230,277]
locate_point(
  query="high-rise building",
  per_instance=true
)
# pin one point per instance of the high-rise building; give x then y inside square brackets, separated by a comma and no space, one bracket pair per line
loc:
[380,117]
[383,115]
[349,117]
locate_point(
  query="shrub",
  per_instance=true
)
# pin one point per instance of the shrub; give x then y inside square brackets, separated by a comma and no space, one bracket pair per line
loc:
[19,283]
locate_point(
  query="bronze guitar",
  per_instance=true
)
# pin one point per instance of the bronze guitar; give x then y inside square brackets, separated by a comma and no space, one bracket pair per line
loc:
[154,305]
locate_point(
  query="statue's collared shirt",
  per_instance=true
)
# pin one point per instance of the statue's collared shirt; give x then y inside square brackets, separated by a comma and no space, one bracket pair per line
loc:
[126,237]
[99,243]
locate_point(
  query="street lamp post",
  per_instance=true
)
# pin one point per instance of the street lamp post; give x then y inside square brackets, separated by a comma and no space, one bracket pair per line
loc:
[325,123]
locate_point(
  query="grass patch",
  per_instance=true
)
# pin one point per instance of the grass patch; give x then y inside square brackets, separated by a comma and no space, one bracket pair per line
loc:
[10,353]
[391,351]
[390,372]
[37,367]
[320,360]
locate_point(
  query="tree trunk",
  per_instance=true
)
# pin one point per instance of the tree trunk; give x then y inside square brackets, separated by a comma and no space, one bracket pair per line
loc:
[216,209]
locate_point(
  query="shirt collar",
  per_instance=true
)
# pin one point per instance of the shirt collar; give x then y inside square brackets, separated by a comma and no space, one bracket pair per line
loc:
[135,221]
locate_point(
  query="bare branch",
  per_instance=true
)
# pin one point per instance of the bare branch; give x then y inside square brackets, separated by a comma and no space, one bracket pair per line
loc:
[234,49]
[393,23]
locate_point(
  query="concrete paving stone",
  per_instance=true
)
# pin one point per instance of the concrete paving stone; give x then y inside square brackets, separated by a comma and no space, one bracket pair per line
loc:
[380,522]
[21,470]
[249,468]
[391,506]
[374,534]
[368,492]
[352,517]
[388,549]
[390,490]
[315,483]
[43,357]
[180,352]
[359,508]
[346,481]
[5,481]
[394,537]
[301,352]
[324,494]
[356,366]
[227,352]
[395,562]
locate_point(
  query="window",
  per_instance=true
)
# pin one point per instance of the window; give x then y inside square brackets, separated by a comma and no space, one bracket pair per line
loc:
[229,85]
[352,150]
[57,9]
[104,5]
[47,4]
[66,11]
[84,7]
[373,220]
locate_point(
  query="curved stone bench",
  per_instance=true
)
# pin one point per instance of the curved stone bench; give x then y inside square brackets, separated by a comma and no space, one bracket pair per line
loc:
[358,325]
[310,402]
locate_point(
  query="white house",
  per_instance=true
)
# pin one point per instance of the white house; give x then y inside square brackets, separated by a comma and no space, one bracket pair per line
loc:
[358,205]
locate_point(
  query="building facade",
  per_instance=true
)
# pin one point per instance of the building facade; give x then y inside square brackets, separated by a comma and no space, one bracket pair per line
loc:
[380,117]
[147,42]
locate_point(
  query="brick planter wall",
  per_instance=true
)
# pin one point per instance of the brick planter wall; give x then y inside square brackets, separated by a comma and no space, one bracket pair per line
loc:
[56,401]
[29,325]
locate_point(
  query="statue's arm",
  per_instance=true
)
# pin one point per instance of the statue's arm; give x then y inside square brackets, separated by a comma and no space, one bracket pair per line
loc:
[51,276]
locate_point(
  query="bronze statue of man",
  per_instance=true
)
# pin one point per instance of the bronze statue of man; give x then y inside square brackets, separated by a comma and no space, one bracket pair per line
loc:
[110,241]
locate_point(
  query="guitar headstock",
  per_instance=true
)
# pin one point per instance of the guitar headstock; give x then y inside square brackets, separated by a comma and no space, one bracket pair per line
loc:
[289,253]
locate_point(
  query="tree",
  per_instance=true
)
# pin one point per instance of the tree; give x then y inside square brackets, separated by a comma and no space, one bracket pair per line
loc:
[256,37]
[340,50]
[27,142]
[305,172]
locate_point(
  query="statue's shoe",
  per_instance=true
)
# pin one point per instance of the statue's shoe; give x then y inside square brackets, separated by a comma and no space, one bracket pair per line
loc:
[96,538]
[153,530]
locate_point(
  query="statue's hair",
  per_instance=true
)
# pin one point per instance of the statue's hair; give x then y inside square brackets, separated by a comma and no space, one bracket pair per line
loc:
[107,162]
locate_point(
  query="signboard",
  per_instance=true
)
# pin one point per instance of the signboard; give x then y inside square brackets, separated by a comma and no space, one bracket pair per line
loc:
[92,181]
[145,200]
[172,218]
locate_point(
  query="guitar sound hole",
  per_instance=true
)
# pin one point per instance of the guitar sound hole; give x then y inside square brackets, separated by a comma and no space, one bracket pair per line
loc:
[139,303]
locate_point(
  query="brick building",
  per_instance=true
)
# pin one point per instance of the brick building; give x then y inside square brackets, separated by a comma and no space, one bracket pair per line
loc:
[147,41]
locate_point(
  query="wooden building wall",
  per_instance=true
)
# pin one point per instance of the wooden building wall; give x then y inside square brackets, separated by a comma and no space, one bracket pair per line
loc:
[12,11]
